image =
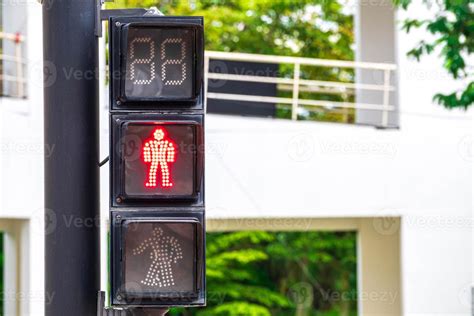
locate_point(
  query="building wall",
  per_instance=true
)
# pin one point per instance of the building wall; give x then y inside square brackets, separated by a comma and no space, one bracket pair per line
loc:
[413,184]
[21,167]
[376,41]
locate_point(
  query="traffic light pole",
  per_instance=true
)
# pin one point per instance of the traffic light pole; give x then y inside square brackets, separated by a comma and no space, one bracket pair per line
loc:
[72,171]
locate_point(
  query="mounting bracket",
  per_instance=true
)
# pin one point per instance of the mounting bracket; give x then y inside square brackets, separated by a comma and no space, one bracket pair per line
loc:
[104,15]
[103,311]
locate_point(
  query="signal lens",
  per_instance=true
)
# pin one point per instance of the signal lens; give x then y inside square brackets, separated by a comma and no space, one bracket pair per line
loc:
[159,257]
[159,159]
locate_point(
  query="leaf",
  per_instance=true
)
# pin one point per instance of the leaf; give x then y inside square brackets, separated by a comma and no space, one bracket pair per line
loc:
[251,293]
[409,24]
[244,256]
[462,99]
[227,241]
[453,30]
[236,308]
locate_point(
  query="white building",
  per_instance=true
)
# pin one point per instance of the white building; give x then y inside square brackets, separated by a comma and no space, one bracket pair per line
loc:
[406,191]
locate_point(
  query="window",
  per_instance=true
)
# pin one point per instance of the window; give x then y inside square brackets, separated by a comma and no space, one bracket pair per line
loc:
[12,50]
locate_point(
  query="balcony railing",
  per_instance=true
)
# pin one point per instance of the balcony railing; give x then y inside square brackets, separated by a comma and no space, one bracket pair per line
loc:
[12,78]
[296,85]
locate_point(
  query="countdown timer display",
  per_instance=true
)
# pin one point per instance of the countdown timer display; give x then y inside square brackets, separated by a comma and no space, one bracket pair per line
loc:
[159,63]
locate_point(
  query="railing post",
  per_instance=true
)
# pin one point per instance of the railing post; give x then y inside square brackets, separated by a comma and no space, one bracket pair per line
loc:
[386,97]
[296,92]
[19,69]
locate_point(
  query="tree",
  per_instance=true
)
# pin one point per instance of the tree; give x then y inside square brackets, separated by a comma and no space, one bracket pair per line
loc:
[306,28]
[453,31]
[282,273]
[237,284]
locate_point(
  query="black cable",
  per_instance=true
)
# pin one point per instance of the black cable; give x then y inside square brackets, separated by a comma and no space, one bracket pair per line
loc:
[103,162]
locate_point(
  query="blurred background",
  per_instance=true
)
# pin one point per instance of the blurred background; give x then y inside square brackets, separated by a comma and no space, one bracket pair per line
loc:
[339,156]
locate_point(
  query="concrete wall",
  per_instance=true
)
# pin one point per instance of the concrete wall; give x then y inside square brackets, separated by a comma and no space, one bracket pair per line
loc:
[376,41]
[21,167]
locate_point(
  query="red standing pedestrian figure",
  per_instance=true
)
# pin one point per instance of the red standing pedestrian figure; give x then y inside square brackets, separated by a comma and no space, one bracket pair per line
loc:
[159,152]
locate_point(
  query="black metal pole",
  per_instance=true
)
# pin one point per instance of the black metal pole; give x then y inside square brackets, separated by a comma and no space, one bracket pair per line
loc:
[72,171]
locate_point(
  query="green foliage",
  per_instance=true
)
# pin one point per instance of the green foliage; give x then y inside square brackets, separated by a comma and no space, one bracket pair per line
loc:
[282,27]
[237,308]
[283,273]
[453,34]
[307,28]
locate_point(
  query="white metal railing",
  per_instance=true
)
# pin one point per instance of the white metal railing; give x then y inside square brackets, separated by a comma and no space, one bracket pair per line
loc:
[296,84]
[17,77]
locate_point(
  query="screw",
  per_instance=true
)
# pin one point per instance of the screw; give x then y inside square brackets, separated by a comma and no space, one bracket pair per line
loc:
[118,199]
[117,24]
[118,217]
[119,102]
[119,297]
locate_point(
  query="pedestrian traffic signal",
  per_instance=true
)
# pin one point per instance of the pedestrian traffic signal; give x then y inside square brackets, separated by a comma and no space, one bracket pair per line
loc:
[156,62]
[157,161]
[157,158]
[158,259]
